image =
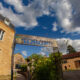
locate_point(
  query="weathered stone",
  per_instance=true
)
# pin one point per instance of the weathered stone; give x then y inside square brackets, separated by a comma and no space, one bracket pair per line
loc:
[19,59]
[6,49]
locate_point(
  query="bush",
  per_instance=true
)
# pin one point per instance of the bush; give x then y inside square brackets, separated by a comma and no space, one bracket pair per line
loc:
[48,68]
[23,68]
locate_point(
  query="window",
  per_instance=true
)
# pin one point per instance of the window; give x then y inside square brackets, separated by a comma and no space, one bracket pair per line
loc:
[18,66]
[77,64]
[6,21]
[64,61]
[1,34]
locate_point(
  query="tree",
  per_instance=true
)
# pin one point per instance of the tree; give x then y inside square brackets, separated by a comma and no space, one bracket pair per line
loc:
[48,68]
[34,56]
[70,49]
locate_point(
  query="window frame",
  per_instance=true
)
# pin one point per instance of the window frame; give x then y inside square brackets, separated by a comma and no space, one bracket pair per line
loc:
[64,61]
[1,34]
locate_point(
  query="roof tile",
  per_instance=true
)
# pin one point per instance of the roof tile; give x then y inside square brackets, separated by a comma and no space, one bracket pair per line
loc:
[72,55]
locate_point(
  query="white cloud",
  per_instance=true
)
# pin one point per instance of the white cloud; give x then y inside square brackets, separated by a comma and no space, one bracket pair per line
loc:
[28,14]
[54,26]
[67,12]
[18,19]
[24,53]
[68,15]
[18,5]
[42,53]
[64,13]
[62,46]
[63,42]
[27,19]
[47,50]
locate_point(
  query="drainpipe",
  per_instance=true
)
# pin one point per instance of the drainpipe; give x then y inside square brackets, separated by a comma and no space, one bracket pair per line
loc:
[12,58]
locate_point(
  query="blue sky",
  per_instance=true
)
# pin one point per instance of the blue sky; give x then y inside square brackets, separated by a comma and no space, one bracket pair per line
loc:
[59,19]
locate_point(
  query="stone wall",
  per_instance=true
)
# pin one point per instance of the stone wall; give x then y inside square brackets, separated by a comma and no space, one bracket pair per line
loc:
[6,49]
[70,64]
[19,59]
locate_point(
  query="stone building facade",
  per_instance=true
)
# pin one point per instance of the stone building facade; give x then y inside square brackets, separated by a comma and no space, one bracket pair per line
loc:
[71,61]
[7,33]
[19,60]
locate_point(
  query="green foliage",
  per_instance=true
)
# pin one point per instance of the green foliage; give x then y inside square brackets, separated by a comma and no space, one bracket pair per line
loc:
[23,68]
[71,49]
[35,56]
[48,68]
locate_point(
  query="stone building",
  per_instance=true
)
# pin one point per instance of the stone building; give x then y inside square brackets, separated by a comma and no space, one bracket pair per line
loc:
[18,60]
[71,61]
[7,33]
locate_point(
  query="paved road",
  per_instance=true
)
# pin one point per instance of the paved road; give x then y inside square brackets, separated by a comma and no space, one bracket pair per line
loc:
[20,77]
[71,75]
[68,75]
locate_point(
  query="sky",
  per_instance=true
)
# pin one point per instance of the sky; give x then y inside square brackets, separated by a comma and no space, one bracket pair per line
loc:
[58,19]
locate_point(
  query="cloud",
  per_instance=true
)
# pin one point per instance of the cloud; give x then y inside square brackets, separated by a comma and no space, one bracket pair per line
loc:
[62,46]
[76,12]
[26,15]
[47,50]
[42,53]
[24,53]
[66,11]
[63,42]
[68,15]
[54,26]
[27,19]
[17,4]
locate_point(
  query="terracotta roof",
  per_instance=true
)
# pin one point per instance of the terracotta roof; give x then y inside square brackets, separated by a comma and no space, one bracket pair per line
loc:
[72,55]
